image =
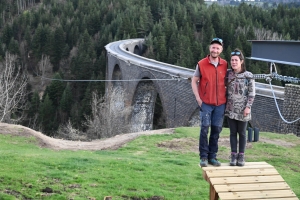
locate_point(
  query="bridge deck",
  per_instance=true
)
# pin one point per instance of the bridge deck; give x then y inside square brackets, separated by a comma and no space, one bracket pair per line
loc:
[255,180]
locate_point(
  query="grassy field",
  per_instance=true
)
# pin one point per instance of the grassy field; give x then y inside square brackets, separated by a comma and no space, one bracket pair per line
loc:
[150,167]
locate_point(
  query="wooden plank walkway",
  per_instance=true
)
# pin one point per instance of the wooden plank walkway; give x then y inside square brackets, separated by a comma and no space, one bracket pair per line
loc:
[255,180]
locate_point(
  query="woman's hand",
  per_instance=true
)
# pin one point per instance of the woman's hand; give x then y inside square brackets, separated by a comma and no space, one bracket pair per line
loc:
[247,111]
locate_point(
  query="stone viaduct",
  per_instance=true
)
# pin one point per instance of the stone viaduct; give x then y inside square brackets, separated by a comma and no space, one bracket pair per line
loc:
[135,85]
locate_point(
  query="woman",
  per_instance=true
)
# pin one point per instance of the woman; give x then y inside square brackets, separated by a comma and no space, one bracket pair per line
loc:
[240,97]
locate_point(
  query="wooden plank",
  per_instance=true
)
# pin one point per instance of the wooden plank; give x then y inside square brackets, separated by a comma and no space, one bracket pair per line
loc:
[249,166]
[241,172]
[246,180]
[256,194]
[251,187]
[204,175]
[246,164]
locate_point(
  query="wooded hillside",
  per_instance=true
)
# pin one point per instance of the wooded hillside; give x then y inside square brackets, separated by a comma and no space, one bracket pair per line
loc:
[51,40]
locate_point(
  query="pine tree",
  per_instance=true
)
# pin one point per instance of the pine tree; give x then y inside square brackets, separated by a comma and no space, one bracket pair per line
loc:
[13,47]
[34,105]
[37,41]
[217,24]
[65,104]
[66,100]
[27,37]
[47,117]
[161,48]
[7,34]
[58,46]
[47,40]
[55,90]
[227,54]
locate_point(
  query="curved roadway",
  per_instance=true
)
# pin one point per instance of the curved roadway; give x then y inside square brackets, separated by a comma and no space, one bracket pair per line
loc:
[118,50]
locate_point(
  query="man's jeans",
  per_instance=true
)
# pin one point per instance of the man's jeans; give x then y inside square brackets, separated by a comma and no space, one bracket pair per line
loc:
[210,116]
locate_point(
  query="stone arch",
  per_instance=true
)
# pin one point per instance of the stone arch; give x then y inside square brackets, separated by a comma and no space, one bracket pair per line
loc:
[137,50]
[117,74]
[117,109]
[144,102]
[143,106]
[117,98]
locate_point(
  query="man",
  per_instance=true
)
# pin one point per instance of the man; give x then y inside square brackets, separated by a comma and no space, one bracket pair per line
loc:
[208,85]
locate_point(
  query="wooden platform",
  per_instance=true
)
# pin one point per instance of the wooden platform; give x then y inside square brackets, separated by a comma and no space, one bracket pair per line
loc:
[255,180]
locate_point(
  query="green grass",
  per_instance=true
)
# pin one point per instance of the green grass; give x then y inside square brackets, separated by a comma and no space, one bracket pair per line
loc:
[139,170]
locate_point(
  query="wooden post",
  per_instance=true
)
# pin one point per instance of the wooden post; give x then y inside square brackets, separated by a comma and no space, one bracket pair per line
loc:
[213,195]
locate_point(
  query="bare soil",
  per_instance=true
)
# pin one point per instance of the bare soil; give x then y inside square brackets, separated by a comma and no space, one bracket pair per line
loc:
[179,144]
[60,144]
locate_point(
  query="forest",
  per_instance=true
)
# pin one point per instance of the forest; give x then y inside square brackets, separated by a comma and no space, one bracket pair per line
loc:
[52,54]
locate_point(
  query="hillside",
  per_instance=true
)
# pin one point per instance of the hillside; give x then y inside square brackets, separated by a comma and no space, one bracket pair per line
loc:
[161,166]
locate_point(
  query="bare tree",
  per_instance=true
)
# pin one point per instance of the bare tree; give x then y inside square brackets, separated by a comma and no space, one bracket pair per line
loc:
[44,67]
[67,131]
[263,34]
[108,118]
[12,89]
[33,122]
[109,115]
[24,4]
[260,33]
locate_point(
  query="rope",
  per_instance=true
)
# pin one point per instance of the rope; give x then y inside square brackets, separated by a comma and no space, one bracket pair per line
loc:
[289,122]
[268,78]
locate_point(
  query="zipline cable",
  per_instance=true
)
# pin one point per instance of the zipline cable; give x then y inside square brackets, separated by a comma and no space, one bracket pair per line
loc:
[69,80]
[267,77]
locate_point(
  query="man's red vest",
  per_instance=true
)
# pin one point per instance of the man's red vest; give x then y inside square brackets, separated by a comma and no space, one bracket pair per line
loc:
[211,87]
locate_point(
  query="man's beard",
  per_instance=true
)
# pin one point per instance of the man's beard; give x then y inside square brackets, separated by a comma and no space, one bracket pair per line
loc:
[212,55]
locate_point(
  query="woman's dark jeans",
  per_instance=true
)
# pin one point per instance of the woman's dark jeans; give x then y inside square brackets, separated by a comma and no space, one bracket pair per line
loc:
[237,127]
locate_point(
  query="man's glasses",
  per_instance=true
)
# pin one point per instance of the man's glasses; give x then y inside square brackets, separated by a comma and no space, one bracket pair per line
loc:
[235,53]
[218,40]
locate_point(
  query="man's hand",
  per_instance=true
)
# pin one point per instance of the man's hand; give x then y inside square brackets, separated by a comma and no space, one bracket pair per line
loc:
[199,101]
[194,83]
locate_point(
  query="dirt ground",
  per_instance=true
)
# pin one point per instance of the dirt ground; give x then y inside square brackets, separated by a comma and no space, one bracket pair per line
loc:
[60,144]
[181,144]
